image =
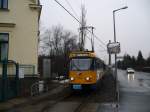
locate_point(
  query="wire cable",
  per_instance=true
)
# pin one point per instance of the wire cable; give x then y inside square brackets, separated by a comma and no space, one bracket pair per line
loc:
[98,44]
[71,8]
[97,37]
[67,11]
[78,21]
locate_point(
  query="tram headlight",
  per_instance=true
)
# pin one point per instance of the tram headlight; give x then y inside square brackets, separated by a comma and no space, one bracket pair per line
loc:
[72,78]
[87,78]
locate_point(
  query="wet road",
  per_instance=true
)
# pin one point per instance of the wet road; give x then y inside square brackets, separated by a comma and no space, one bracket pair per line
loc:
[134,92]
[134,97]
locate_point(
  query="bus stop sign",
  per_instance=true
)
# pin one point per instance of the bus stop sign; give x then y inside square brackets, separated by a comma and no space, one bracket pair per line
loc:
[113,48]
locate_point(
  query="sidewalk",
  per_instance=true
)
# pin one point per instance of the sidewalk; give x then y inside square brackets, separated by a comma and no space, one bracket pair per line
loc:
[22,101]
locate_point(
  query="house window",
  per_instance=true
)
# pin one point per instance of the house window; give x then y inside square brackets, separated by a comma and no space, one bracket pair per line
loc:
[3,4]
[4,46]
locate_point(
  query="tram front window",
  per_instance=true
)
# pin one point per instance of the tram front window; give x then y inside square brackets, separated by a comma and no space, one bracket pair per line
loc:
[80,64]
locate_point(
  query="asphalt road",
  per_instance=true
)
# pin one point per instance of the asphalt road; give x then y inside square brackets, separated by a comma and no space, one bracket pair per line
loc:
[134,92]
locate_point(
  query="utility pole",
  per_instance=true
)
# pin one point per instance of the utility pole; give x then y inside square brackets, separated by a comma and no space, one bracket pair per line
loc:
[82,28]
[82,38]
[114,24]
[109,55]
[92,38]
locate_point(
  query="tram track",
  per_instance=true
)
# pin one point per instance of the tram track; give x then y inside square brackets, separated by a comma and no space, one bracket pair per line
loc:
[61,98]
[84,103]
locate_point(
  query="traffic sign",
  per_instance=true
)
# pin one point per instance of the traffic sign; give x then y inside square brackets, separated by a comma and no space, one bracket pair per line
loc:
[113,48]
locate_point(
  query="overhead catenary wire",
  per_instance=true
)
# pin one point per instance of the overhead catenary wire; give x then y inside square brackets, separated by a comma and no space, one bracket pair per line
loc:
[78,21]
[97,38]
[104,49]
[67,11]
[98,44]
[71,8]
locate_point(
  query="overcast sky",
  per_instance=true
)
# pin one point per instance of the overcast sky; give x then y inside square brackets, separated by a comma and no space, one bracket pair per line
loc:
[132,24]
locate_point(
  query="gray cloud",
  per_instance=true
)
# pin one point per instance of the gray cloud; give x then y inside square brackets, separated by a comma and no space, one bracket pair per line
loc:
[132,24]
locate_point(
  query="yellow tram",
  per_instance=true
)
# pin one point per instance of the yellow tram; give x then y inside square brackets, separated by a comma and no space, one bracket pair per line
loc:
[86,70]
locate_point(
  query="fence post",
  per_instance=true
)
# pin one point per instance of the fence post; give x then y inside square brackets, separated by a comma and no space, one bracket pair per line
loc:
[4,81]
[17,79]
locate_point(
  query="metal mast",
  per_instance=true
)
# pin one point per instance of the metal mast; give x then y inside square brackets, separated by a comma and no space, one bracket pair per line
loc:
[82,28]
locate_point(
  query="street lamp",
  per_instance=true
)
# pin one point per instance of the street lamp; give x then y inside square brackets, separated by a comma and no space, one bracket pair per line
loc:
[115,40]
[114,20]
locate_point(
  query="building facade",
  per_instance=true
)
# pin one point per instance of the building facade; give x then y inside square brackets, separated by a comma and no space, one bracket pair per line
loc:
[19,31]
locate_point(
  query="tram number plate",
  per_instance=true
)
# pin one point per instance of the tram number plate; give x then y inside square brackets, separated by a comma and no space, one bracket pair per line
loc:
[77,87]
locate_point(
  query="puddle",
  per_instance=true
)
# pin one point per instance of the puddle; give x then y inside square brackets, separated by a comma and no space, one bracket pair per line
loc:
[131,77]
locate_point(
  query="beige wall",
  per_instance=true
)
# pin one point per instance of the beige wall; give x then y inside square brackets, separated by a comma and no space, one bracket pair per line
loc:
[23,38]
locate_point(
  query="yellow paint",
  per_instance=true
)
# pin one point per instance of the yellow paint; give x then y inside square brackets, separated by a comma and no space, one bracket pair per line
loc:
[80,77]
[81,54]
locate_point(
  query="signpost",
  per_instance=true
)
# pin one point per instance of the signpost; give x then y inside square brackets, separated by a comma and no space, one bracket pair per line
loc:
[113,48]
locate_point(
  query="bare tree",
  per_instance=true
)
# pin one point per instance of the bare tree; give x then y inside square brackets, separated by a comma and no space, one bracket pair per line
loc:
[57,41]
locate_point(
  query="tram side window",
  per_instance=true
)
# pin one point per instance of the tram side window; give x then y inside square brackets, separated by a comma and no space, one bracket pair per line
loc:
[100,65]
[4,46]
[104,66]
[97,65]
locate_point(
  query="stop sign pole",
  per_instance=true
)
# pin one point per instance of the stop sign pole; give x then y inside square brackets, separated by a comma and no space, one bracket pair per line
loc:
[114,11]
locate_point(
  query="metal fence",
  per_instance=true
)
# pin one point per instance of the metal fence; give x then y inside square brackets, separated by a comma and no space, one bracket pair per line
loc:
[8,85]
[29,70]
[10,72]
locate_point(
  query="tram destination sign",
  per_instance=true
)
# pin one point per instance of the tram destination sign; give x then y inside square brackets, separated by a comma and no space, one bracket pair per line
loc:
[113,48]
[82,54]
